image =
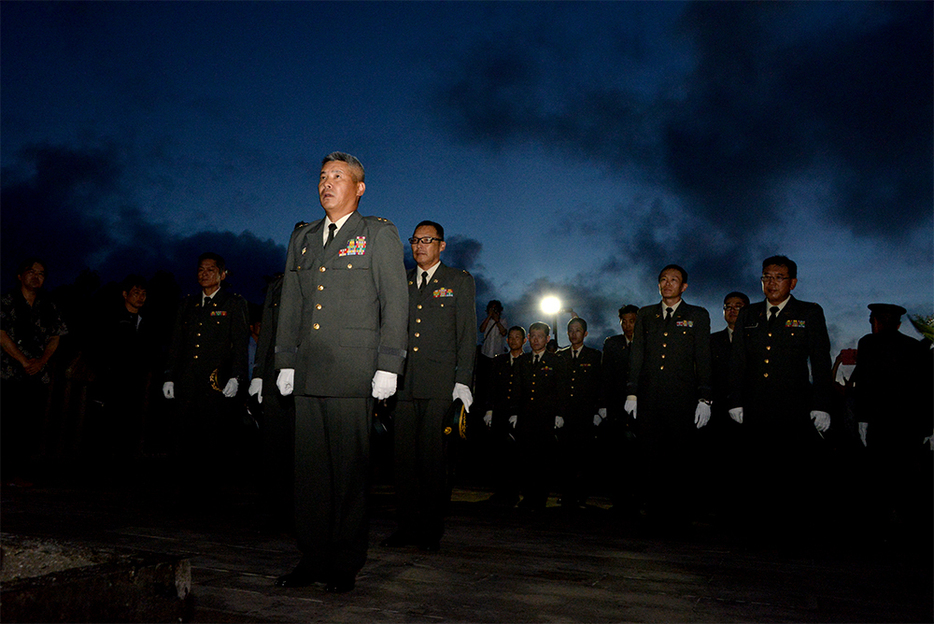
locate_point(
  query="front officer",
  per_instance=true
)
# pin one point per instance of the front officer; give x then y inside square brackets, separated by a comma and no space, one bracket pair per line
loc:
[438,371]
[340,343]
[669,377]
[781,391]
[206,362]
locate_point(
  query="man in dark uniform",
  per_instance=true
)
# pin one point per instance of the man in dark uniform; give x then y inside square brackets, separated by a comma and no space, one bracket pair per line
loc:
[892,384]
[781,391]
[207,360]
[669,377]
[438,370]
[341,343]
[584,402]
[501,398]
[617,442]
[720,438]
[538,410]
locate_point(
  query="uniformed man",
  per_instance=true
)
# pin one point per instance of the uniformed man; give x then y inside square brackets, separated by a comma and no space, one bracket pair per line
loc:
[538,411]
[438,370]
[617,443]
[669,392]
[584,405]
[781,391]
[501,398]
[206,362]
[892,384]
[341,343]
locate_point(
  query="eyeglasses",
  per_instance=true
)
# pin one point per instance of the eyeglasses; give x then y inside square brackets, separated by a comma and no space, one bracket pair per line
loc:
[774,278]
[424,240]
[734,307]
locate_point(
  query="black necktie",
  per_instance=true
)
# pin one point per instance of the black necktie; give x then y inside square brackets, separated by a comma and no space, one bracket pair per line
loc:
[536,358]
[206,303]
[668,313]
[331,229]
[421,286]
[774,311]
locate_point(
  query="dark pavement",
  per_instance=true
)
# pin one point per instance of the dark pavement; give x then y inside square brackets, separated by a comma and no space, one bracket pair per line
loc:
[494,565]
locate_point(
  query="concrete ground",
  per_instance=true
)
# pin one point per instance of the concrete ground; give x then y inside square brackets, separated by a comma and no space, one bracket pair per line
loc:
[494,565]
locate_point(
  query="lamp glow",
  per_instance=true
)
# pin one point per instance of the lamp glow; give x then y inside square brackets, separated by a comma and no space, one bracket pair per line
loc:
[551,305]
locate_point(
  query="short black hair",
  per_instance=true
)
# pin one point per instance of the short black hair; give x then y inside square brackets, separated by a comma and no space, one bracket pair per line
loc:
[496,304]
[784,261]
[578,319]
[518,328]
[356,167]
[439,229]
[217,258]
[684,274]
[132,280]
[540,325]
[737,295]
[627,309]
[27,263]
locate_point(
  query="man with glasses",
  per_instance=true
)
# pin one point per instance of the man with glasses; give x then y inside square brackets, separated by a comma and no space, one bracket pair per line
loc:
[340,344]
[781,391]
[438,370]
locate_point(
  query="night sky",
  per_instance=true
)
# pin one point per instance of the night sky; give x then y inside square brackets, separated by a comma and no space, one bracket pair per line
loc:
[567,148]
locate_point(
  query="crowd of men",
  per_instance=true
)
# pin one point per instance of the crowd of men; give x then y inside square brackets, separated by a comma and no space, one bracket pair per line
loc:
[671,422]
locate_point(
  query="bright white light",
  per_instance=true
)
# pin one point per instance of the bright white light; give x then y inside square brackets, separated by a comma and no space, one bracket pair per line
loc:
[551,305]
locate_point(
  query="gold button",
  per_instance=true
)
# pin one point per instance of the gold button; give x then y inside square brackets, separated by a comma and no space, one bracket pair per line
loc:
[419,306]
[661,368]
[665,334]
[322,269]
[349,266]
[199,333]
[316,326]
[663,356]
[442,305]
[665,344]
[320,287]
[196,357]
[418,320]
[414,348]
[298,267]
[766,361]
[769,334]
[197,346]
[318,307]
[768,348]
[765,374]
[417,335]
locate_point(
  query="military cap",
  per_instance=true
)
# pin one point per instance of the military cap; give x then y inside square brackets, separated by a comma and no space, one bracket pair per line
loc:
[887,308]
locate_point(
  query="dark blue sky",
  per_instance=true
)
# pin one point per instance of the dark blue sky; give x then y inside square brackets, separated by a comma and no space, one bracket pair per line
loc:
[568,148]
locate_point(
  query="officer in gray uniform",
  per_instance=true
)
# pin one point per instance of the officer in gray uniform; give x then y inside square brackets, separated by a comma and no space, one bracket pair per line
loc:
[438,371]
[340,343]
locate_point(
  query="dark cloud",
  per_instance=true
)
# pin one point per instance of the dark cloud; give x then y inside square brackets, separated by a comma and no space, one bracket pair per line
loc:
[777,96]
[71,207]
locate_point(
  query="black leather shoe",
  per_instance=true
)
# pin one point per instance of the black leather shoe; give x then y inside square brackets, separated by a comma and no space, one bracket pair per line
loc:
[298,578]
[340,584]
[399,538]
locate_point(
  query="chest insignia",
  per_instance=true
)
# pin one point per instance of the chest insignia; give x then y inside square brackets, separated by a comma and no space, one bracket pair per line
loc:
[218,312]
[443,292]
[684,324]
[794,323]
[355,247]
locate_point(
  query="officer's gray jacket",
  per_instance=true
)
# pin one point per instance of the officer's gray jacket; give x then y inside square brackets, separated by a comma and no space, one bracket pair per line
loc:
[343,312]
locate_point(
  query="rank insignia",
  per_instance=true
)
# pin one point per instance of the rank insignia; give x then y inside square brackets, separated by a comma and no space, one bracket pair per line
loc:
[443,292]
[684,324]
[794,323]
[218,312]
[355,247]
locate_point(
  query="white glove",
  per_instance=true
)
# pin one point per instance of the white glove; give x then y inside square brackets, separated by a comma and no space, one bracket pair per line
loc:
[701,414]
[821,420]
[384,385]
[286,381]
[597,419]
[230,390]
[630,407]
[488,418]
[863,428]
[736,413]
[512,420]
[462,392]
[168,389]
[601,414]
[256,389]
[559,422]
